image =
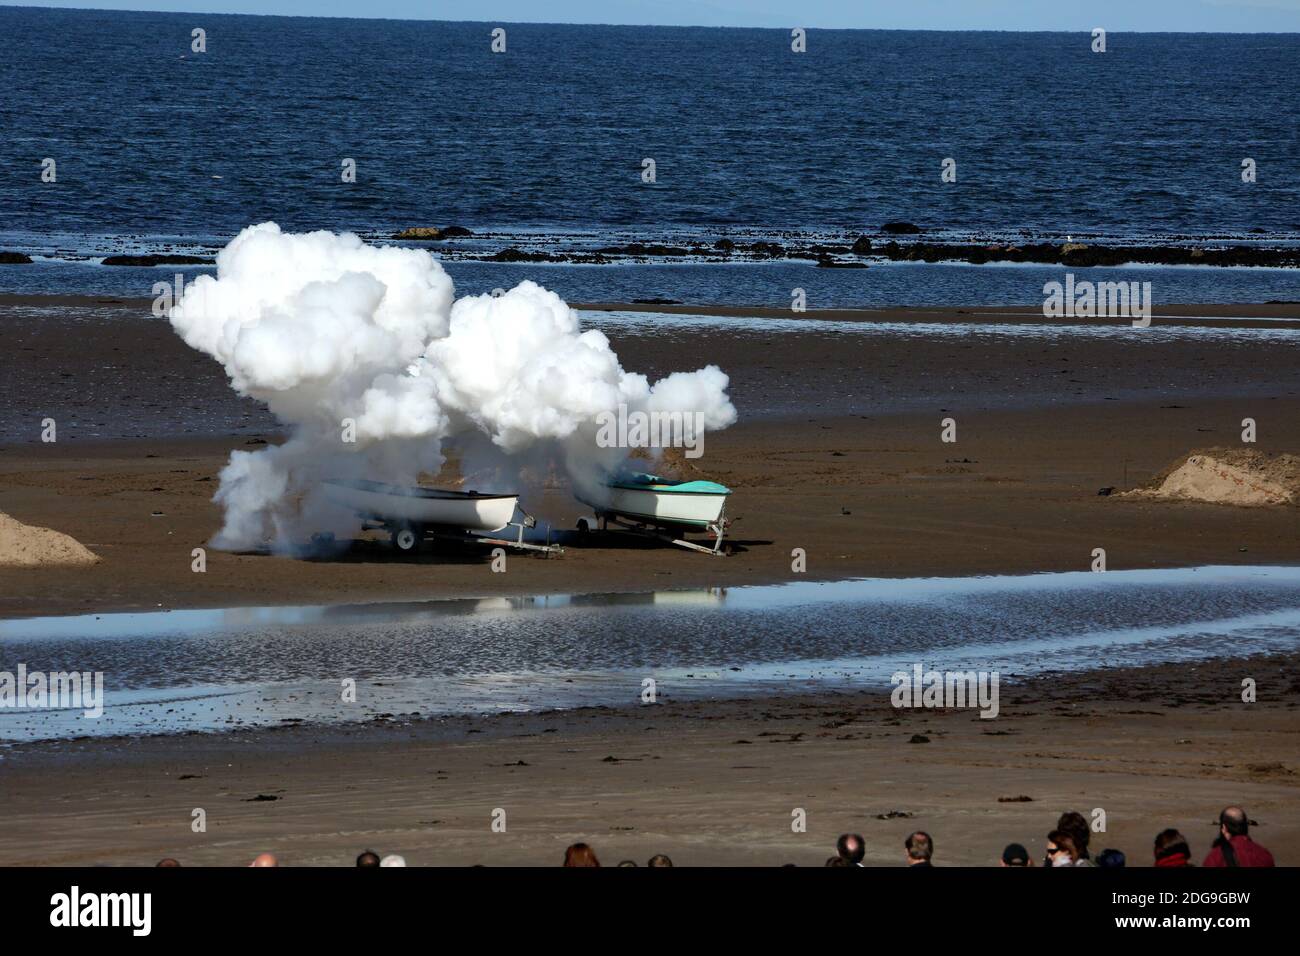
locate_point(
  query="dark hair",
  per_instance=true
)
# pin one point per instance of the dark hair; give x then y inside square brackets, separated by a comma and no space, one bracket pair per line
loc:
[851,847]
[167,862]
[919,846]
[1170,842]
[1064,841]
[580,855]
[1112,859]
[836,861]
[1074,824]
[368,858]
[659,860]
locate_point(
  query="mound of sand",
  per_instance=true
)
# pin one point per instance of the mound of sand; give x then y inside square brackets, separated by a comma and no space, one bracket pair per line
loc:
[25,546]
[1228,476]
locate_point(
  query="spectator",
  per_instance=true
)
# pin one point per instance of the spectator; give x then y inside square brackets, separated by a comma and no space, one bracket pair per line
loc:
[851,848]
[659,860]
[1016,855]
[368,859]
[265,859]
[627,863]
[1234,847]
[1061,849]
[168,861]
[1112,859]
[1074,824]
[836,861]
[580,855]
[393,860]
[919,848]
[1172,849]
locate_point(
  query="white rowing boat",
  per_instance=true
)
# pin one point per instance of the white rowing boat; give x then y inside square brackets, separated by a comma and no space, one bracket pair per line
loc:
[418,507]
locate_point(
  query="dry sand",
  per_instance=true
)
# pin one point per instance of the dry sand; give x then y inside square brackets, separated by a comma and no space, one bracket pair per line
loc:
[25,546]
[1229,476]
[706,783]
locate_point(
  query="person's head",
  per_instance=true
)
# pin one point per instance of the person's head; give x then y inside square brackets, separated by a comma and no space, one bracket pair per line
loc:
[836,861]
[1112,859]
[265,859]
[852,848]
[627,862]
[580,855]
[919,848]
[1061,849]
[1171,843]
[659,860]
[368,858]
[1233,822]
[1074,824]
[168,861]
[1015,855]
[393,860]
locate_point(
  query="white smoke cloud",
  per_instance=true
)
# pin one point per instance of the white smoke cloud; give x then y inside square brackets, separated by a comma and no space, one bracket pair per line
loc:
[323,329]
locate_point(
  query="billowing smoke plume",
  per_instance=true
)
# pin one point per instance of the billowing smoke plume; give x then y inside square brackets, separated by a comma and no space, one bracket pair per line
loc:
[362,352]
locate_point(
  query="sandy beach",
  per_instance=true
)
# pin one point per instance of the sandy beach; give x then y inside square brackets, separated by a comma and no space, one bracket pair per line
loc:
[709,783]
[837,452]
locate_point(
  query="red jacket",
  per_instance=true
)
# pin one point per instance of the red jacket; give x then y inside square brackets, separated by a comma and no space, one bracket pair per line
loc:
[1174,859]
[1248,852]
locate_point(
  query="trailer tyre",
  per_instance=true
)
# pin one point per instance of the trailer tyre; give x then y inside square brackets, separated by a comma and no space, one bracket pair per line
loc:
[586,525]
[406,539]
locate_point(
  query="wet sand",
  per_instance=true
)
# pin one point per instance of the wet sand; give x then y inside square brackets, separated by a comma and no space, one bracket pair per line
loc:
[879,497]
[837,451]
[705,782]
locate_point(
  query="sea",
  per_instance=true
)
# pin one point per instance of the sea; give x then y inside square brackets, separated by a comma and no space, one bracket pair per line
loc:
[165,144]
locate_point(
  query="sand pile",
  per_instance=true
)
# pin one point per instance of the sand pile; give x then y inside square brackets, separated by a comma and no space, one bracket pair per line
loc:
[25,546]
[1229,476]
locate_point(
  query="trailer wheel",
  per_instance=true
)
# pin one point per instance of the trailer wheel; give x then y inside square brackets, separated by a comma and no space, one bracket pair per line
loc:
[406,539]
[586,524]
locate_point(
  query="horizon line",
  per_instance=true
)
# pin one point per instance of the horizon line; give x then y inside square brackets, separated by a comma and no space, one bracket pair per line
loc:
[654,26]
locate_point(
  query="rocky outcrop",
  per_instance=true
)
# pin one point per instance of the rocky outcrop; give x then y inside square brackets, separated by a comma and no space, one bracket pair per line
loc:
[419,233]
[159,260]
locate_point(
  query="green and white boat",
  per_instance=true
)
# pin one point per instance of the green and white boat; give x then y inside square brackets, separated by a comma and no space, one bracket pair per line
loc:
[646,502]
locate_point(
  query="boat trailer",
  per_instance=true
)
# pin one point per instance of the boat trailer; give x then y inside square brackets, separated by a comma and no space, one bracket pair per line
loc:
[407,537]
[667,533]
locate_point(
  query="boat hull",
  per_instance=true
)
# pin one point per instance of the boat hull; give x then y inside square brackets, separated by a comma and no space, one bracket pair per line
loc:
[423,507]
[674,509]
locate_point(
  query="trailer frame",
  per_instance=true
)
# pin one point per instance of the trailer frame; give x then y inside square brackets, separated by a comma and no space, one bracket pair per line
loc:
[665,532]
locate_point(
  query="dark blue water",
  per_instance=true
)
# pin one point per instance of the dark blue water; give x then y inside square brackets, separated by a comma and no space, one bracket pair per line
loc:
[758,284]
[152,140]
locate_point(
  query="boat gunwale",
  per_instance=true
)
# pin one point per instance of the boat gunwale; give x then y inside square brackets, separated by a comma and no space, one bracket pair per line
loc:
[418,492]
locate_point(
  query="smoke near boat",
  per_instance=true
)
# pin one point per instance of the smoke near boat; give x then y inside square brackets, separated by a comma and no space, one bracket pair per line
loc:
[368,359]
